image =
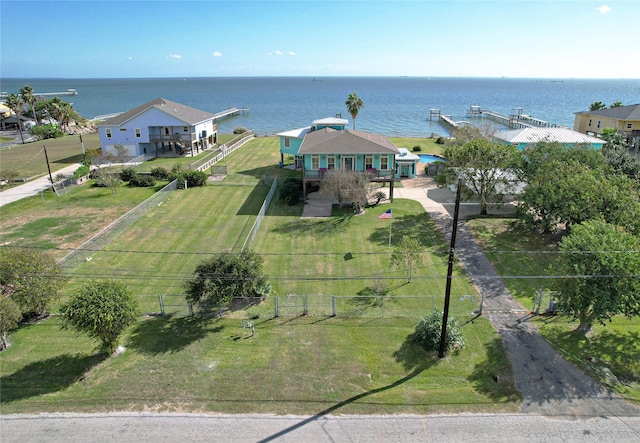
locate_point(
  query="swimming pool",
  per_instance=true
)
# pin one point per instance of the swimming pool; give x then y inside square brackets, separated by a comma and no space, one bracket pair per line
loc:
[429,158]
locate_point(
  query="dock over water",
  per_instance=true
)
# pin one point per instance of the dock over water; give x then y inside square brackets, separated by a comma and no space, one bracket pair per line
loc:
[4,95]
[515,120]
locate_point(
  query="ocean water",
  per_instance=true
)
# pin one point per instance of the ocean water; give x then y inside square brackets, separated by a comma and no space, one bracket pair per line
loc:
[395,106]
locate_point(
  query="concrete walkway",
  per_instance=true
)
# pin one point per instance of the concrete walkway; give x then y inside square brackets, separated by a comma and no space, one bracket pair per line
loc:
[549,384]
[33,187]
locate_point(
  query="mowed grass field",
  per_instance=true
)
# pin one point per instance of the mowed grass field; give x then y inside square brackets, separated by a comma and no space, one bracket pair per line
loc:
[313,364]
[613,348]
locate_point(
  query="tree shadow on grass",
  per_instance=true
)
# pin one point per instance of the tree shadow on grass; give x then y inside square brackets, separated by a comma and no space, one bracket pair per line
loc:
[493,376]
[412,358]
[159,335]
[47,376]
[328,225]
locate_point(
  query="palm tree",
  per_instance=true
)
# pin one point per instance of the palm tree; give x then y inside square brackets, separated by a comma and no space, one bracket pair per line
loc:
[354,104]
[27,96]
[15,102]
[616,104]
[597,105]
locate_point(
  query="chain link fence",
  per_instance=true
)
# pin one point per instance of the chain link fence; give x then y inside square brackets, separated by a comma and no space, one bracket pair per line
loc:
[86,250]
[320,305]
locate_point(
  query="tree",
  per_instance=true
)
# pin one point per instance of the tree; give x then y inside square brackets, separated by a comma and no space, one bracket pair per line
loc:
[26,93]
[10,314]
[595,106]
[14,102]
[487,169]
[586,190]
[616,104]
[347,186]
[107,179]
[218,280]
[103,309]
[354,104]
[599,269]
[617,156]
[408,255]
[35,277]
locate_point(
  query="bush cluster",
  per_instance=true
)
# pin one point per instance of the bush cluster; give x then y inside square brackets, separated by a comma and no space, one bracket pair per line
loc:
[239,130]
[417,148]
[192,178]
[428,332]
[142,181]
[127,174]
[441,140]
[160,173]
[46,131]
[291,191]
[81,171]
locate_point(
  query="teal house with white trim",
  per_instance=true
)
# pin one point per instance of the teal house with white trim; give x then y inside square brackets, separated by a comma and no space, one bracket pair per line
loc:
[327,145]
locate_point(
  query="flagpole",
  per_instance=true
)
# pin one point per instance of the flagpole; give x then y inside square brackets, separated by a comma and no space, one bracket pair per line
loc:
[390,223]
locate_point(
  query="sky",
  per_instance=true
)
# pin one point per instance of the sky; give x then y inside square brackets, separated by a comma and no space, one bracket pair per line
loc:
[208,38]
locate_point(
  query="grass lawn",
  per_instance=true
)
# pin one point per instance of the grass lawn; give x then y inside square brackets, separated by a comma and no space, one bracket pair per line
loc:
[28,160]
[313,364]
[427,145]
[614,347]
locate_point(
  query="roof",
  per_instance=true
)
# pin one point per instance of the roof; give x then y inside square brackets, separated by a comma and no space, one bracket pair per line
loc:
[535,135]
[630,112]
[186,114]
[406,156]
[295,133]
[330,121]
[331,141]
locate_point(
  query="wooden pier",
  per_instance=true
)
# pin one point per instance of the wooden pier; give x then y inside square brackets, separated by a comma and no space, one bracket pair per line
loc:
[446,120]
[4,95]
[515,120]
[230,113]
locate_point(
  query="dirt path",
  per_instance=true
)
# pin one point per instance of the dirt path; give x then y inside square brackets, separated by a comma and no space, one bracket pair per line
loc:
[549,384]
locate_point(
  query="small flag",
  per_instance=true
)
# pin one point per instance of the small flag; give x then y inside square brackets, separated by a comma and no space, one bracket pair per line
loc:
[385,215]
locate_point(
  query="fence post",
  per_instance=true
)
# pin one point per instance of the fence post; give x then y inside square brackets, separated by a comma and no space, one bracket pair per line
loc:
[304,305]
[275,306]
[160,301]
[333,305]
[383,306]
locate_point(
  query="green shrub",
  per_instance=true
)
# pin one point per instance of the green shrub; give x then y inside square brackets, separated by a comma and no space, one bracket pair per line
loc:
[81,171]
[417,148]
[160,173]
[127,174]
[193,178]
[291,191]
[142,181]
[239,130]
[46,131]
[441,140]
[429,330]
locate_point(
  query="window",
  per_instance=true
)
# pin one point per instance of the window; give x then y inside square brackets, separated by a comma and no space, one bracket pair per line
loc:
[185,129]
[315,162]
[331,162]
[598,123]
[589,122]
[287,142]
[138,133]
[384,162]
[108,132]
[629,125]
[368,162]
[123,129]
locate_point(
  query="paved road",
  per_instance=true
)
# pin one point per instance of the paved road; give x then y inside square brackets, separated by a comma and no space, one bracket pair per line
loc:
[157,428]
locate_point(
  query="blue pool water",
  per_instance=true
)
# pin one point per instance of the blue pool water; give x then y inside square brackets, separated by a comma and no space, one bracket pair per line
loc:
[428,158]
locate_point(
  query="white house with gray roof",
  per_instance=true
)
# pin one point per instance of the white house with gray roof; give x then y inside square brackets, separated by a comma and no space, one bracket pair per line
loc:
[529,137]
[159,127]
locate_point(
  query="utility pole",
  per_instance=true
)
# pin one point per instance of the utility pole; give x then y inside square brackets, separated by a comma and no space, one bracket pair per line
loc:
[452,248]
[48,168]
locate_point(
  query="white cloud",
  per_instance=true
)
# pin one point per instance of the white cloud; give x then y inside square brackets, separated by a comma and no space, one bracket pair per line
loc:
[175,56]
[278,52]
[217,54]
[291,53]
[603,9]
[269,53]
[129,58]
